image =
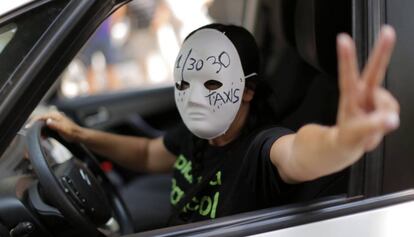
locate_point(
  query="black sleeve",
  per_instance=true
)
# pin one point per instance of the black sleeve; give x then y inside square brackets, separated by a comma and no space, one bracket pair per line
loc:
[270,137]
[264,176]
[274,191]
[174,137]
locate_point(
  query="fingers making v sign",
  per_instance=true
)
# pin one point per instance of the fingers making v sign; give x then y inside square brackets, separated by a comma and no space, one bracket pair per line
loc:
[366,110]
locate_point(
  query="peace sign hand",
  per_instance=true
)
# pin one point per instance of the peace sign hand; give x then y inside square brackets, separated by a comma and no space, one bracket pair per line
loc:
[366,110]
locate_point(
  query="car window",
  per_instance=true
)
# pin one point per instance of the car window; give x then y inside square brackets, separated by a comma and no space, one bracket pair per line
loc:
[135,47]
[6,34]
[19,35]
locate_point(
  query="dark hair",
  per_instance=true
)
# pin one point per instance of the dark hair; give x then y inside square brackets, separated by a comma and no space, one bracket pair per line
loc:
[245,45]
[248,51]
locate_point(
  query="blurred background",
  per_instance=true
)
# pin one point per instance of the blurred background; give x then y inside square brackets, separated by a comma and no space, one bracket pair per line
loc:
[136,47]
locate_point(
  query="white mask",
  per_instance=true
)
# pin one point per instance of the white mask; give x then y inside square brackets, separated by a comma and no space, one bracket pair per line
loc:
[209,83]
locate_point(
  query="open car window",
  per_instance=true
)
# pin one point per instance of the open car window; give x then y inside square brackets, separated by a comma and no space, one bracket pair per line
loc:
[136,47]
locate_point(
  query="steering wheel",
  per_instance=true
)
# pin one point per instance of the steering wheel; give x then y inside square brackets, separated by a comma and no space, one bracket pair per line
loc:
[78,187]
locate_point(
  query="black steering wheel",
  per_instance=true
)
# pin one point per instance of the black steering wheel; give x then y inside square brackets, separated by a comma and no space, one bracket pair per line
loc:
[78,187]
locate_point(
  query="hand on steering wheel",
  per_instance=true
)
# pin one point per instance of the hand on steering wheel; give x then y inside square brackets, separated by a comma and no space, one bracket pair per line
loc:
[78,187]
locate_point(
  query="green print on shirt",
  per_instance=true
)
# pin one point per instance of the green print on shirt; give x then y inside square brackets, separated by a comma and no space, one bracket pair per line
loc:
[218,179]
[184,166]
[206,205]
[176,193]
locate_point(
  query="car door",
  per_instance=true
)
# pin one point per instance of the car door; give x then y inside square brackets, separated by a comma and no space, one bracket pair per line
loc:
[141,112]
[52,49]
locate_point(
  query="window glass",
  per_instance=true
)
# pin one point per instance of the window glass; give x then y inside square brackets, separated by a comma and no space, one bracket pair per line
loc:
[19,35]
[6,34]
[136,46]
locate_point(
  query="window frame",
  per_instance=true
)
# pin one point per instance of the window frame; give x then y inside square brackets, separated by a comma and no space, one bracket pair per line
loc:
[47,59]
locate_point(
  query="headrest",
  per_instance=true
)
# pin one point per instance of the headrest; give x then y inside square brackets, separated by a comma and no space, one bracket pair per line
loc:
[317,22]
[282,21]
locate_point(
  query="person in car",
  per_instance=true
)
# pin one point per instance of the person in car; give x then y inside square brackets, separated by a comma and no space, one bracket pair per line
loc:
[226,159]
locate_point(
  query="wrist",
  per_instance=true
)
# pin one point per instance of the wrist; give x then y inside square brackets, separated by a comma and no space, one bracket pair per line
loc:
[80,134]
[344,145]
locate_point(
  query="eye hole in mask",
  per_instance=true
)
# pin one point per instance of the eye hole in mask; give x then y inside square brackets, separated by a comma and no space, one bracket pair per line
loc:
[212,85]
[182,85]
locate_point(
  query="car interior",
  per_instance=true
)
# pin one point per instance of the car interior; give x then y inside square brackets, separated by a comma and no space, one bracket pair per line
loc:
[298,64]
[42,188]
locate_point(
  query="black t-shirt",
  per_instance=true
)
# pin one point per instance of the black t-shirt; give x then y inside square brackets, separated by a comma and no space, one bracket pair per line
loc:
[244,179]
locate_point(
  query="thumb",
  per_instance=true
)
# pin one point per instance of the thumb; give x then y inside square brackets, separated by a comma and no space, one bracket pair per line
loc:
[375,124]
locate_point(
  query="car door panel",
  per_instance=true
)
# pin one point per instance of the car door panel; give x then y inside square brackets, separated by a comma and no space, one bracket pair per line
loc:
[142,111]
[291,220]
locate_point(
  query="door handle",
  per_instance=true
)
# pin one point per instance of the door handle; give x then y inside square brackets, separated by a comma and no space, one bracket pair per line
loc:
[100,116]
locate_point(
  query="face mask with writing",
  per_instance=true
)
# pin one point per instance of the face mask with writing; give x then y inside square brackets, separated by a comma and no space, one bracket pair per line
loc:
[209,83]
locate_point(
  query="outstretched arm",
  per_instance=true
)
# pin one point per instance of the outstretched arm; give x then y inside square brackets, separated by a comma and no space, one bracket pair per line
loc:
[366,113]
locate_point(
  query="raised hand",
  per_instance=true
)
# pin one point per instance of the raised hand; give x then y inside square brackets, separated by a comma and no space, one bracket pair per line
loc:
[366,110]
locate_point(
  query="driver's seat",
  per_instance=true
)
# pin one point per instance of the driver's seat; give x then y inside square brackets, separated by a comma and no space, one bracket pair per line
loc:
[316,24]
